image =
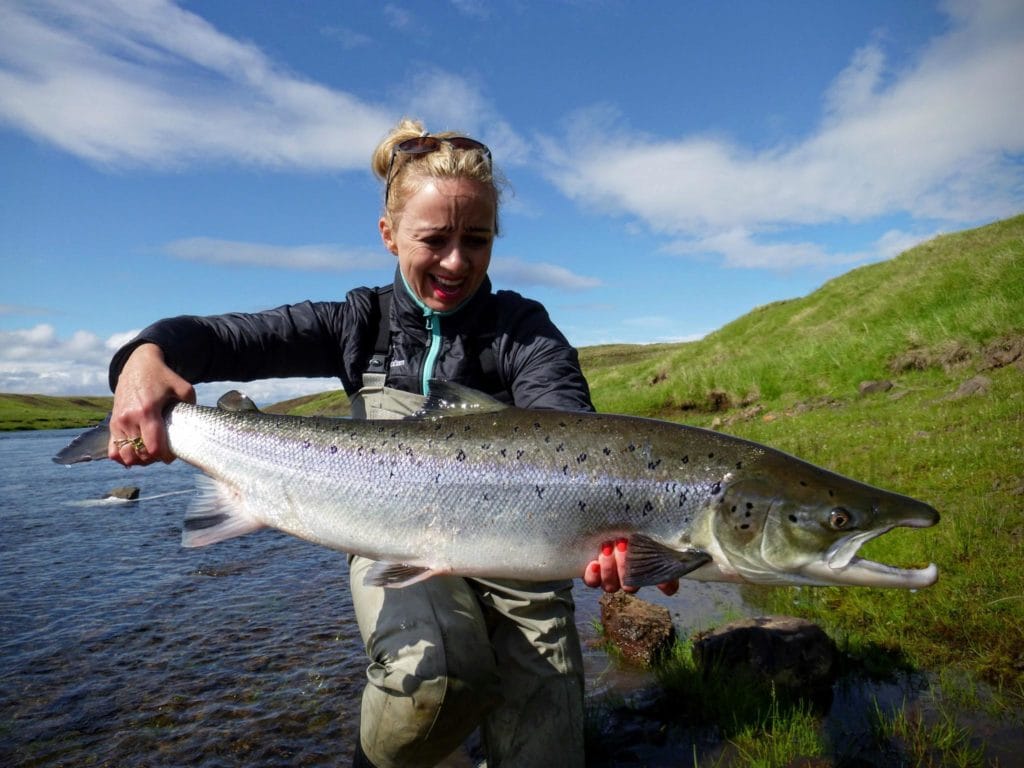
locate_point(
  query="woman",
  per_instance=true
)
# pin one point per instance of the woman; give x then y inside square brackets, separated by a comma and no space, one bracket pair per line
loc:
[447,654]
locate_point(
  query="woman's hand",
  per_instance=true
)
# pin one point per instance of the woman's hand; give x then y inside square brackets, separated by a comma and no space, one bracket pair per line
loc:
[145,387]
[609,570]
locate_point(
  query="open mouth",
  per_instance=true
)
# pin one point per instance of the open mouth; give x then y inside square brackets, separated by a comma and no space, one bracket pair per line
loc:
[446,287]
[841,566]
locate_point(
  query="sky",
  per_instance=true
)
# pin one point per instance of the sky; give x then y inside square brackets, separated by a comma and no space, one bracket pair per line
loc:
[671,165]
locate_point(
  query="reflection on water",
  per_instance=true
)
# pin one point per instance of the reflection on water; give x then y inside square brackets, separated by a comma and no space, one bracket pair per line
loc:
[119,647]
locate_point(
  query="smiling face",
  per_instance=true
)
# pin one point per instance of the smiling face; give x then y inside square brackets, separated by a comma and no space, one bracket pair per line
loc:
[443,239]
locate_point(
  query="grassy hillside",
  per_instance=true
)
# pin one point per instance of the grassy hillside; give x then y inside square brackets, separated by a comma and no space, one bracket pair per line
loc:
[43,412]
[933,304]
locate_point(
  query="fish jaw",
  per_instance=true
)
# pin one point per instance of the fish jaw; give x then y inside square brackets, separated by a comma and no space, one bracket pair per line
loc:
[840,565]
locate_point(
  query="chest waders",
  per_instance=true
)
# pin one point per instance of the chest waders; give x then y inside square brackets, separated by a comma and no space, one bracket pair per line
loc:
[449,655]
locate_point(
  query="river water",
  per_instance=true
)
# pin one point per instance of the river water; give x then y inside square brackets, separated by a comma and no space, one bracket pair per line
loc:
[119,647]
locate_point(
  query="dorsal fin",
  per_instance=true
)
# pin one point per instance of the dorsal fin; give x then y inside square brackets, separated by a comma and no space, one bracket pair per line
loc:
[233,400]
[450,399]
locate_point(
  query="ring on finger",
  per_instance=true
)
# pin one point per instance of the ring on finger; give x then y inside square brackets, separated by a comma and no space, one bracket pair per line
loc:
[134,442]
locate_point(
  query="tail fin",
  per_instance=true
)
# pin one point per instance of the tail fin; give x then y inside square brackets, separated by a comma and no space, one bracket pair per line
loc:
[88,446]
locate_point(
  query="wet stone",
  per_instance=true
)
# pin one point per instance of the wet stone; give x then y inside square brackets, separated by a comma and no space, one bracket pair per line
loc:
[789,652]
[641,631]
[126,492]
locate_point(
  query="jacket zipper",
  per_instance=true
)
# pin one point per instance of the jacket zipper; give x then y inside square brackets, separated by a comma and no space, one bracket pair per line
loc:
[433,349]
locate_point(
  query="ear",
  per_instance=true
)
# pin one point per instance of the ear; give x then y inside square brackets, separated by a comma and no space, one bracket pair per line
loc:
[387,235]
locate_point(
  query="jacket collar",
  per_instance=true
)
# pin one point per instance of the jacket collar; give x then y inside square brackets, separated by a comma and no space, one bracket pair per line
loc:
[409,312]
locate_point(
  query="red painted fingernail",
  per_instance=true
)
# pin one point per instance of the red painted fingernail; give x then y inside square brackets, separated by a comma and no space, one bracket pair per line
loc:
[621,544]
[595,567]
[606,549]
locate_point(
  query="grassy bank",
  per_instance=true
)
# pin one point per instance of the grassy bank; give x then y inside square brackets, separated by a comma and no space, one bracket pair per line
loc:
[44,412]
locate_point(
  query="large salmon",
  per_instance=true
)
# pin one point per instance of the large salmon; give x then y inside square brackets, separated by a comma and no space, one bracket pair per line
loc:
[476,488]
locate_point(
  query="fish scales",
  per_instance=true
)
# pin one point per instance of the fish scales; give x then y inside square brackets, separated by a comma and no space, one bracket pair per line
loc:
[524,479]
[476,488]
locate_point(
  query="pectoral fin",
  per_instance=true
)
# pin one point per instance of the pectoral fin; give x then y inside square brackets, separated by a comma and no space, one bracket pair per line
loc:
[396,575]
[649,562]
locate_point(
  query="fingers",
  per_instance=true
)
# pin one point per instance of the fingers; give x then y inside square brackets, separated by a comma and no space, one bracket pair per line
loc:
[669,587]
[609,570]
[145,387]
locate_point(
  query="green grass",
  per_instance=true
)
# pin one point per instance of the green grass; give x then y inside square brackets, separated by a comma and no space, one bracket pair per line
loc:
[23,412]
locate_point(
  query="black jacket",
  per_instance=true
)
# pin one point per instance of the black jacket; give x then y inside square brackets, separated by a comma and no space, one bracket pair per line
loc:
[497,342]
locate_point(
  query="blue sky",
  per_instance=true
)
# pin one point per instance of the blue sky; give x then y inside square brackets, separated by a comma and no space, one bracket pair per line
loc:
[672,164]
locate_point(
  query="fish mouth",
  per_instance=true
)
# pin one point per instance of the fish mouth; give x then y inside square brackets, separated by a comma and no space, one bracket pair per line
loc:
[840,565]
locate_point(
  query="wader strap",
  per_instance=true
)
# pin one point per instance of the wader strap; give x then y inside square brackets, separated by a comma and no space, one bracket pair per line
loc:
[380,321]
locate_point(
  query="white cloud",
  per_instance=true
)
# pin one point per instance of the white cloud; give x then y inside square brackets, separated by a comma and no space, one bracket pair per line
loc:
[941,140]
[36,360]
[39,361]
[522,274]
[123,82]
[127,83]
[305,257]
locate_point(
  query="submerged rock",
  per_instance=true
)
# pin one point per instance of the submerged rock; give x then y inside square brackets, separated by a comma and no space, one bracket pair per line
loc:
[643,632]
[126,492]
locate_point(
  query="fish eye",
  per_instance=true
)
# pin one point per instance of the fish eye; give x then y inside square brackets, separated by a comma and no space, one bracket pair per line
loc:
[839,518]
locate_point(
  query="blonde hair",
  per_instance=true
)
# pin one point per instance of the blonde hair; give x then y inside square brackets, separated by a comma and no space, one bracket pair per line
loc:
[410,172]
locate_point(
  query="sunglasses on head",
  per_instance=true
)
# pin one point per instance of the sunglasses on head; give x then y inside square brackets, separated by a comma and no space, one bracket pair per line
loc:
[424,145]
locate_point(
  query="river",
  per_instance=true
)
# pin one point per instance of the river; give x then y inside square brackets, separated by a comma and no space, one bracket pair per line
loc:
[119,647]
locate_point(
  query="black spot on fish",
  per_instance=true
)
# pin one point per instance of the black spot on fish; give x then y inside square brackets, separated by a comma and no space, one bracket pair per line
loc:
[437,478]
[618,492]
[803,483]
[333,449]
[449,436]
[792,518]
[750,505]
[606,451]
[653,464]
[582,505]
[305,443]
[461,455]
[711,455]
[739,465]
[831,492]
[519,453]
[560,448]
[503,452]
[648,507]
[540,491]
[630,447]
[487,497]
[565,469]
[486,446]
[745,526]
[686,459]
[581,458]
[536,425]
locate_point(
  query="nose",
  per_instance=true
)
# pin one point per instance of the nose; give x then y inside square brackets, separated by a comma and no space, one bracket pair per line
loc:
[453,259]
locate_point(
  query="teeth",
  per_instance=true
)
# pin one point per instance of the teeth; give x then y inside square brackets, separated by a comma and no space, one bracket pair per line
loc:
[447,282]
